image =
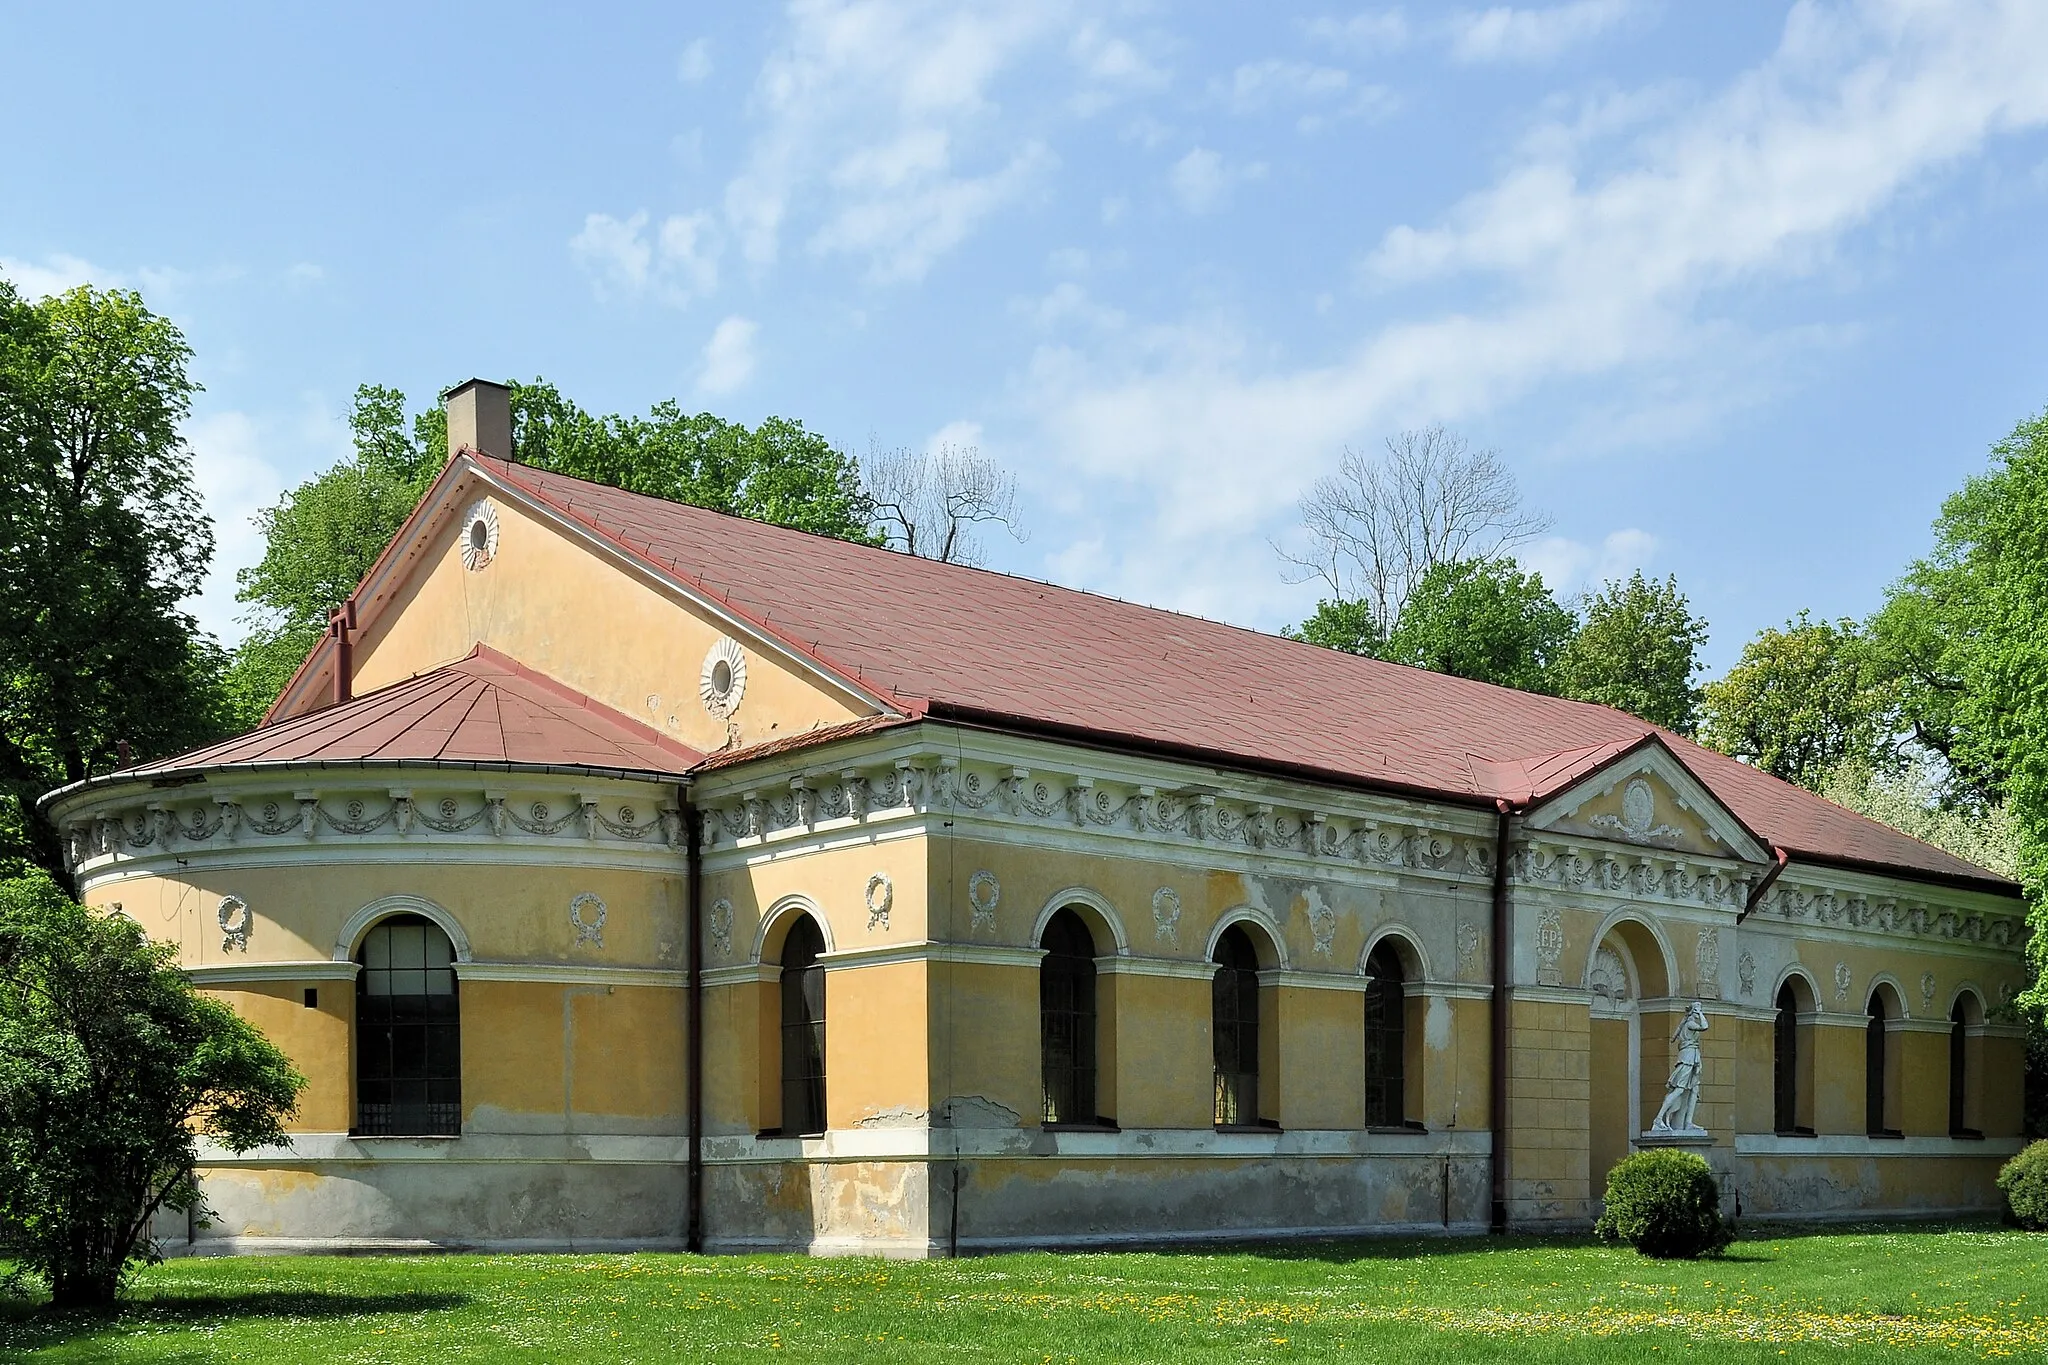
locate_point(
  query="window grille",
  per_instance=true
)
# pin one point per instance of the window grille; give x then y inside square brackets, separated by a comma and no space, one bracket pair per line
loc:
[1066,1020]
[803,1030]
[1385,1040]
[1235,1007]
[408,1032]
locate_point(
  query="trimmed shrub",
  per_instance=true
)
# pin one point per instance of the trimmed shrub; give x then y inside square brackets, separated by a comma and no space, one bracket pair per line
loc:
[2024,1183]
[1665,1204]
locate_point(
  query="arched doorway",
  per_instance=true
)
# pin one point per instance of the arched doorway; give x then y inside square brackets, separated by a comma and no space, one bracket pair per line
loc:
[1626,967]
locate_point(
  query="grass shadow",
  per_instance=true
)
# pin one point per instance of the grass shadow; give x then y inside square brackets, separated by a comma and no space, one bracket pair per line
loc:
[1340,1251]
[27,1325]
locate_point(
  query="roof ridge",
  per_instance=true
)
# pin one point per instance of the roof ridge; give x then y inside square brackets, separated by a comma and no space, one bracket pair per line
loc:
[534,476]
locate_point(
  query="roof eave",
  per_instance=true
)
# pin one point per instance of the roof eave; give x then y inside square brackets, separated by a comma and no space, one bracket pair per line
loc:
[1005,723]
[185,776]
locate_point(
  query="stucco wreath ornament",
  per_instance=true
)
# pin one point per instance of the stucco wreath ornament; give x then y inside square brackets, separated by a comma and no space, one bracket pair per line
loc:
[881,894]
[236,920]
[984,893]
[588,930]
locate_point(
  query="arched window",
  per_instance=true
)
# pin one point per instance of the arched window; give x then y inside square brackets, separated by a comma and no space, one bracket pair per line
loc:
[1785,1063]
[1877,1095]
[1385,1040]
[408,1031]
[1066,1019]
[1958,1070]
[1965,1083]
[803,1029]
[1235,1018]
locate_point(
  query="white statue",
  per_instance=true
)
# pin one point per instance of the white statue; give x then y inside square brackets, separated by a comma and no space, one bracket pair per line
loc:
[1682,1092]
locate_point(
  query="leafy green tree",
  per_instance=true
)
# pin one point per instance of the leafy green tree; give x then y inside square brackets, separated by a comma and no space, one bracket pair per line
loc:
[1638,651]
[1351,627]
[111,1068]
[323,536]
[1800,702]
[319,541]
[1977,606]
[1482,619]
[101,537]
[1911,800]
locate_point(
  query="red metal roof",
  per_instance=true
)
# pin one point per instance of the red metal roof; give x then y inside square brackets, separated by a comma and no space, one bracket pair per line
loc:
[973,645]
[486,709]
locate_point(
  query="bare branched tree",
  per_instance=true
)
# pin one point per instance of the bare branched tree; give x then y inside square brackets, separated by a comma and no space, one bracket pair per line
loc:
[1376,526]
[929,503]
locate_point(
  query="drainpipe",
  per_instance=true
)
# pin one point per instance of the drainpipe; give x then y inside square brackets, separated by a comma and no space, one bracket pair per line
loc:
[1497,1061]
[693,836]
[1756,897]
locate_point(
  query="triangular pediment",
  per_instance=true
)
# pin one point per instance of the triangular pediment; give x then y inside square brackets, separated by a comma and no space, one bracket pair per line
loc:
[487,560]
[1647,798]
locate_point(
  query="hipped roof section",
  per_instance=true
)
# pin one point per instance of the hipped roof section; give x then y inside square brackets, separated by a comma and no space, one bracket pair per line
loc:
[1008,653]
[485,710]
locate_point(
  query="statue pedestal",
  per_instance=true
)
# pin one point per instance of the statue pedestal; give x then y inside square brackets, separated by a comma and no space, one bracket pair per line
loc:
[1677,1137]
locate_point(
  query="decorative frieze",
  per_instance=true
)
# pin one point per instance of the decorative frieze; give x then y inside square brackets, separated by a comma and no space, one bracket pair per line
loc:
[1802,904]
[1626,874]
[206,821]
[929,784]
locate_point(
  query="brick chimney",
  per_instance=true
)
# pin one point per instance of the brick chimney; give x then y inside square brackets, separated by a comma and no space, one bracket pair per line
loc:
[480,418]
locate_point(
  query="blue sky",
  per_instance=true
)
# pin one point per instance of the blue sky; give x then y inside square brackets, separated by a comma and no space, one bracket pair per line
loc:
[1739,290]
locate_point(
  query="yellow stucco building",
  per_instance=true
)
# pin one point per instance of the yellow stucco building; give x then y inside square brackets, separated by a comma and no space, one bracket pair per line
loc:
[622,874]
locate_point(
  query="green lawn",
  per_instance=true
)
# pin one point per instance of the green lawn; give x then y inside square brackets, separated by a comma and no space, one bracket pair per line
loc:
[1868,1294]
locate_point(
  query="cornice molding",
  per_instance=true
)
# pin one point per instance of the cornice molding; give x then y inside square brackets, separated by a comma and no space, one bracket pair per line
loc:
[328,815]
[209,978]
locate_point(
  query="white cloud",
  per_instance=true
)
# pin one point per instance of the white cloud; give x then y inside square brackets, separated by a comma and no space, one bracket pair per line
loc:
[1570,567]
[1257,85]
[912,213]
[1366,34]
[1068,302]
[60,271]
[878,118]
[1188,435]
[234,464]
[1203,181]
[957,435]
[1507,34]
[695,62]
[1324,92]
[729,358]
[1112,68]
[54,275]
[677,261]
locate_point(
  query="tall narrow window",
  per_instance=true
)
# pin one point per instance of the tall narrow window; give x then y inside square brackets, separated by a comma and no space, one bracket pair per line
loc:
[1066,1019]
[1873,1069]
[408,1032]
[1785,1063]
[1385,1040]
[803,1029]
[1235,1010]
[1959,1073]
